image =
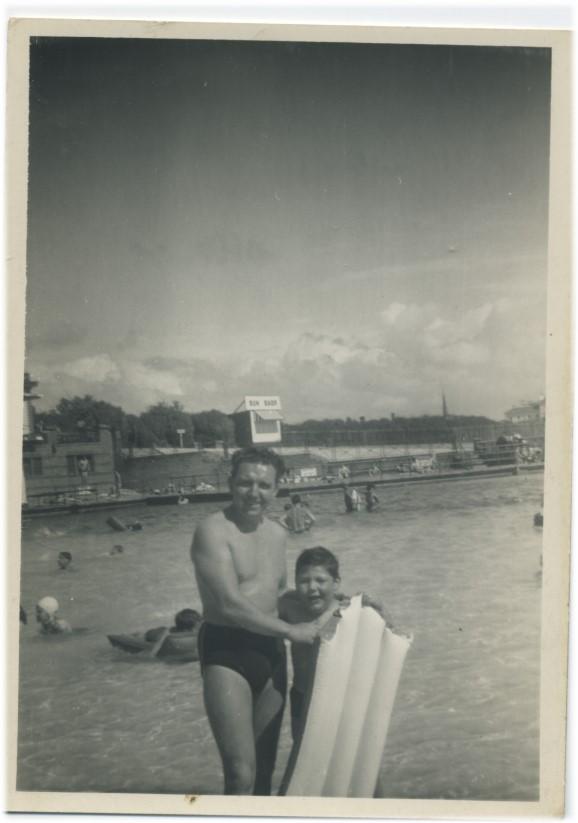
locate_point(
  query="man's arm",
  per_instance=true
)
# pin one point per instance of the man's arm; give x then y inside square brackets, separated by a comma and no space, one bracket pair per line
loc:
[216,573]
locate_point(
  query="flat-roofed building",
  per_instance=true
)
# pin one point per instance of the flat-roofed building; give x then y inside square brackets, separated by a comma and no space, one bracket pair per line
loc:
[533,410]
[257,420]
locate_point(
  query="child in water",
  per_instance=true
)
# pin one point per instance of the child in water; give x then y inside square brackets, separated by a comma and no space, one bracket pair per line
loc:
[64,560]
[316,597]
[47,616]
[298,517]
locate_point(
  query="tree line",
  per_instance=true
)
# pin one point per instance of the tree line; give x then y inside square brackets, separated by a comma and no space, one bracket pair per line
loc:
[159,426]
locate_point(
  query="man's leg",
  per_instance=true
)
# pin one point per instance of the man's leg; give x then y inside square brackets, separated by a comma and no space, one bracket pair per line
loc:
[267,724]
[229,706]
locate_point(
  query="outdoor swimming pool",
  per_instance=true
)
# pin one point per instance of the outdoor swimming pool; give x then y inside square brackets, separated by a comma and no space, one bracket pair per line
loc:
[456,563]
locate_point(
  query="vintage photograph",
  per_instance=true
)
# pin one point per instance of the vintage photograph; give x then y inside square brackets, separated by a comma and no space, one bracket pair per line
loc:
[286,400]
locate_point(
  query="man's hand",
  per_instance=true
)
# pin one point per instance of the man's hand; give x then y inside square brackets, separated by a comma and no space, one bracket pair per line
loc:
[304,633]
[371,602]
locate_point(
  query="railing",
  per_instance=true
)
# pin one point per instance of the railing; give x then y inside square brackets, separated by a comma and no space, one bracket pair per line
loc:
[216,480]
[78,437]
[76,496]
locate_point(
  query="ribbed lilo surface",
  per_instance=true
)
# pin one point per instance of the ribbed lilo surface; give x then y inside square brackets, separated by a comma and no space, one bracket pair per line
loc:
[352,694]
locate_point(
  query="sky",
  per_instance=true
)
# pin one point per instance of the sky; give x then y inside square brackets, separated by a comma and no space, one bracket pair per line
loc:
[352,227]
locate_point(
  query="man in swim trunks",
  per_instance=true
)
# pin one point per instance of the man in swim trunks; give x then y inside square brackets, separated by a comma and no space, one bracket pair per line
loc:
[240,565]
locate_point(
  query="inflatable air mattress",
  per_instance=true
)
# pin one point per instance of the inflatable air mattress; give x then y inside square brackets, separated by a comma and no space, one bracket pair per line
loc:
[178,645]
[339,750]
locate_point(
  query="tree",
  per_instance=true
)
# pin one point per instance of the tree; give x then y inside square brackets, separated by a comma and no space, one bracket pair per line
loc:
[163,419]
[72,413]
[213,425]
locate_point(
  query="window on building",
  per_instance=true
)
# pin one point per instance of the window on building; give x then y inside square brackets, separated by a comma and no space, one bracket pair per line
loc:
[265,426]
[73,463]
[32,466]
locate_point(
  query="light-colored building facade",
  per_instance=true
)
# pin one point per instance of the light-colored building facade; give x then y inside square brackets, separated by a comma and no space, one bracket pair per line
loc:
[527,411]
[257,420]
[60,464]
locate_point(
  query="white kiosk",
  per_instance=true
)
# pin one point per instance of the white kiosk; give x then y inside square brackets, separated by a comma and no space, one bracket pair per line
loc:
[258,420]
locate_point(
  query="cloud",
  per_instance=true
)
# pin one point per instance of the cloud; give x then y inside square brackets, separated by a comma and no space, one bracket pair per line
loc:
[482,356]
[97,369]
[160,383]
[59,336]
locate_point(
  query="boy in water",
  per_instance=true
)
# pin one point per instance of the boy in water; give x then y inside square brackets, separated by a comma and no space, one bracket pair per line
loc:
[316,597]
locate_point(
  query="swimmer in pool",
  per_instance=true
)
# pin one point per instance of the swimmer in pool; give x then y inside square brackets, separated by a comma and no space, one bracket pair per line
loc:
[64,560]
[350,498]
[371,499]
[240,565]
[47,616]
[187,620]
[297,518]
[316,597]
[118,549]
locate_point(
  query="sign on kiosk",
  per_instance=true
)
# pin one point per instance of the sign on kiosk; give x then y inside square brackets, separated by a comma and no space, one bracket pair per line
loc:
[262,403]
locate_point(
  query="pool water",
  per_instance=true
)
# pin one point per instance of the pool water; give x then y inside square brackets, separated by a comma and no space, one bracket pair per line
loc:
[456,563]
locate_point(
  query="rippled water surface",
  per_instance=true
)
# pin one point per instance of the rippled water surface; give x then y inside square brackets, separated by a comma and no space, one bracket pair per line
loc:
[456,563]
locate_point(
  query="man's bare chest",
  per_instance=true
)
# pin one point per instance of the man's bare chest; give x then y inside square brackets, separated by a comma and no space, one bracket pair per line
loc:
[256,557]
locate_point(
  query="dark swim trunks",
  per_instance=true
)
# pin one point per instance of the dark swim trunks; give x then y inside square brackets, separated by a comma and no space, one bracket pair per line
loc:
[297,709]
[255,657]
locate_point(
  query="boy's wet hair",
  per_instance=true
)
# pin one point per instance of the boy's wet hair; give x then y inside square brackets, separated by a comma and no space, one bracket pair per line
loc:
[66,555]
[318,556]
[261,456]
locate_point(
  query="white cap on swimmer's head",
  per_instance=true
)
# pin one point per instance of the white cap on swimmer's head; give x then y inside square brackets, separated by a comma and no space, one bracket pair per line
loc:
[49,605]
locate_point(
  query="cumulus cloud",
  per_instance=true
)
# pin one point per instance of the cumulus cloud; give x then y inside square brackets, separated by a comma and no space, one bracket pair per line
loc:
[160,382]
[398,367]
[430,334]
[97,369]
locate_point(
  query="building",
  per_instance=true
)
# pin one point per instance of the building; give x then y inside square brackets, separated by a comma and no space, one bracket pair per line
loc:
[526,412]
[258,421]
[57,465]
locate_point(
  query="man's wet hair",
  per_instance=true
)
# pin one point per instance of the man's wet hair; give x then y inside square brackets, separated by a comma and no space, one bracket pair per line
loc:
[187,619]
[318,556]
[261,456]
